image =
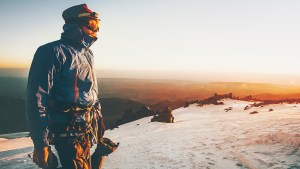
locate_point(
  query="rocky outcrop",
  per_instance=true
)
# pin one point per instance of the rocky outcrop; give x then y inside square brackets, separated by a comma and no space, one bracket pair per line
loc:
[254,112]
[228,109]
[248,98]
[165,116]
[114,108]
[211,100]
[131,115]
[247,107]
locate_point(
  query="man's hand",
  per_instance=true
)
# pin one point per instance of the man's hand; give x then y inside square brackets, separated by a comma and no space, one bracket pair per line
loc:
[45,158]
[105,147]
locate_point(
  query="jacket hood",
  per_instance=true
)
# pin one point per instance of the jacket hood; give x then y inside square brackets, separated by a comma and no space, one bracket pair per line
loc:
[76,37]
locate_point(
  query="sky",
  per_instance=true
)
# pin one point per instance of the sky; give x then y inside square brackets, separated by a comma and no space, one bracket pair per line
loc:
[232,37]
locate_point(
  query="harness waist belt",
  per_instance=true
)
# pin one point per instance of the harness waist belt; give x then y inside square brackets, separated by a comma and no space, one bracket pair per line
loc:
[66,107]
[63,135]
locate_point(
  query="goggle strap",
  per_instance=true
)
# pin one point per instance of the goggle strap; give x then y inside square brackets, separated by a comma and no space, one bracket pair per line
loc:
[93,14]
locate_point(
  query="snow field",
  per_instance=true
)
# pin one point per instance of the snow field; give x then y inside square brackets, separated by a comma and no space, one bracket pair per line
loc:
[202,137]
[209,137]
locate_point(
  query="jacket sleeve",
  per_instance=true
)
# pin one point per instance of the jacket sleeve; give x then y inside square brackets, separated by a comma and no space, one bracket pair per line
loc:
[44,67]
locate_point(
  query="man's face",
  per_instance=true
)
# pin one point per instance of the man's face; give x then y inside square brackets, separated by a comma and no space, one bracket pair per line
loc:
[91,28]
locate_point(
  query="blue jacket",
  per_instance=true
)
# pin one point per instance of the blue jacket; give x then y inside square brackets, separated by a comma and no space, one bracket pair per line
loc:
[62,71]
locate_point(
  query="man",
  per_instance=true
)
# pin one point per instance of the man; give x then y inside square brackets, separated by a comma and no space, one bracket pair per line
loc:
[62,106]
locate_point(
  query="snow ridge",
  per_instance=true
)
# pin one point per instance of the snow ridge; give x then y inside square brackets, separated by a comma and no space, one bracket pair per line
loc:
[201,137]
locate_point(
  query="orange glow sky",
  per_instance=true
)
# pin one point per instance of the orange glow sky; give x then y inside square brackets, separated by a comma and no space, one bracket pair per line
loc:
[212,40]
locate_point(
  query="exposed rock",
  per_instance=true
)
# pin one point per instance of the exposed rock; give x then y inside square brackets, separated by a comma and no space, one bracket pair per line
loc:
[248,98]
[219,103]
[258,104]
[165,116]
[228,109]
[200,105]
[239,164]
[211,100]
[186,104]
[247,107]
[271,110]
[254,112]
[131,115]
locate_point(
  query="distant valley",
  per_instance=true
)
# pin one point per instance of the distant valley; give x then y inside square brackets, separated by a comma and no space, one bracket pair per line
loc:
[119,95]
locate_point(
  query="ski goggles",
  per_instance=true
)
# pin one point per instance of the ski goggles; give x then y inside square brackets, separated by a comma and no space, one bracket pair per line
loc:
[89,20]
[93,25]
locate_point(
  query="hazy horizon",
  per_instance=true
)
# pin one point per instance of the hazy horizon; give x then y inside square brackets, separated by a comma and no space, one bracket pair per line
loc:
[179,75]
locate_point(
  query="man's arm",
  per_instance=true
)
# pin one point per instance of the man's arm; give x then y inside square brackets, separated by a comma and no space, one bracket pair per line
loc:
[44,67]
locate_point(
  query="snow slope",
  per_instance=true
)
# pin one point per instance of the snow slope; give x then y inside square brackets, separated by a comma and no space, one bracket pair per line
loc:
[201,137]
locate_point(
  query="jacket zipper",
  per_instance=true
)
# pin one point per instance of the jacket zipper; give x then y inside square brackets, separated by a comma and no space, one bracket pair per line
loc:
[92,70]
